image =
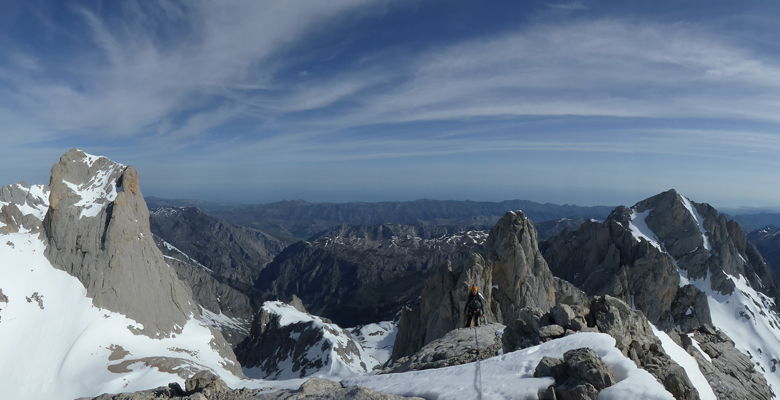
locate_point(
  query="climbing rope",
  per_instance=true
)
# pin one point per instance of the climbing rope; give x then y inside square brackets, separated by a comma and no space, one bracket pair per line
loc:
[478,371]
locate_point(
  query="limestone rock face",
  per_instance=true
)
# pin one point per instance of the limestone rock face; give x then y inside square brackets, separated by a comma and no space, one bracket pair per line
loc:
[511,274]
[97,228]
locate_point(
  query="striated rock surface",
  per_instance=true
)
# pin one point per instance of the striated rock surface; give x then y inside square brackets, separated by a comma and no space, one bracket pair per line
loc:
[459,346]
[287,343]
[510,272]
[97,228]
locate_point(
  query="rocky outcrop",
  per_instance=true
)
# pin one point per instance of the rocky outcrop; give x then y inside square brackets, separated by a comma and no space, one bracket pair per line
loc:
[22,207]
[287,343]
[97,228]
[357,275]
[234,254]
[580,375]
[633,336]
[731,374]
[510,272]
[207,386]
[459,346]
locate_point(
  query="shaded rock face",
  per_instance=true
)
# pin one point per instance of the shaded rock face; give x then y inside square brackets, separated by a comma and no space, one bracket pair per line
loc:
[97,228]
[459,346]
[358,275]
[767,241]
[286,343]
[511,274]
[635,255]
[235,254]
[548,229]
[631,330]
[207,386]
[731,374]
[223,307]
[604,258]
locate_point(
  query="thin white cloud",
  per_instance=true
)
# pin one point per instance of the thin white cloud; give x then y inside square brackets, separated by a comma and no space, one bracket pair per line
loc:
[128,79]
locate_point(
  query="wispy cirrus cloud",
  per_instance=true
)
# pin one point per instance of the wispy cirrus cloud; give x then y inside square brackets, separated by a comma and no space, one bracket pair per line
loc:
[245,83]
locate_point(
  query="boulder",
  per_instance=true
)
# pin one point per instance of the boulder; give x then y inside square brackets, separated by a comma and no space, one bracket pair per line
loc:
[459,346]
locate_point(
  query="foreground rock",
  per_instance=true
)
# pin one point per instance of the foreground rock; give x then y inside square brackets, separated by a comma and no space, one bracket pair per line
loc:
[581,375]
[459,346]
[633,337]
[207,386]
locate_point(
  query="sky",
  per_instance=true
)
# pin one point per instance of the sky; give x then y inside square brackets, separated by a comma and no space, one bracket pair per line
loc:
[603,102]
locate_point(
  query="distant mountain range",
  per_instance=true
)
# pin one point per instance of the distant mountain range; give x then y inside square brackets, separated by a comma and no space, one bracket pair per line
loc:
[300,219]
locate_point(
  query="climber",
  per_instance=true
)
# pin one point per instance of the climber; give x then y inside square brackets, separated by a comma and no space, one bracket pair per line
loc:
[475,306]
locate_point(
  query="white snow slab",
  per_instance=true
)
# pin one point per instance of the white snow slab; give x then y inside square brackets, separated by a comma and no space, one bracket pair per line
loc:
[640,230]
[510,376]
[689,364]
[699,222]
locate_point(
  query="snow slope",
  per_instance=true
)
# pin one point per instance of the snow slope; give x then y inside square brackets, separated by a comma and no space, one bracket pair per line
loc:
[510,376]
[55,344]
[377,339]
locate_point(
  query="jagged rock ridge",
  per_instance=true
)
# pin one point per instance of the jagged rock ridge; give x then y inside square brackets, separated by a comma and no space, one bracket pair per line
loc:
[358,275]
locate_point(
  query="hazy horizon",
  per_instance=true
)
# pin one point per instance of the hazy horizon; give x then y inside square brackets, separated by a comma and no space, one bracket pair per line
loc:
[587,103]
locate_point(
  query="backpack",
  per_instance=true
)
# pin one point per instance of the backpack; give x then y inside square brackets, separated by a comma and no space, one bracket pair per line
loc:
[474,303]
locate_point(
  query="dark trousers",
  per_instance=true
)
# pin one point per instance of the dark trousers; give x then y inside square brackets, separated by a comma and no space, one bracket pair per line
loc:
[473,315]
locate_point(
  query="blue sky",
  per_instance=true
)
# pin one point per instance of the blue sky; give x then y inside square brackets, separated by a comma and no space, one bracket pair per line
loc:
[253,101]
